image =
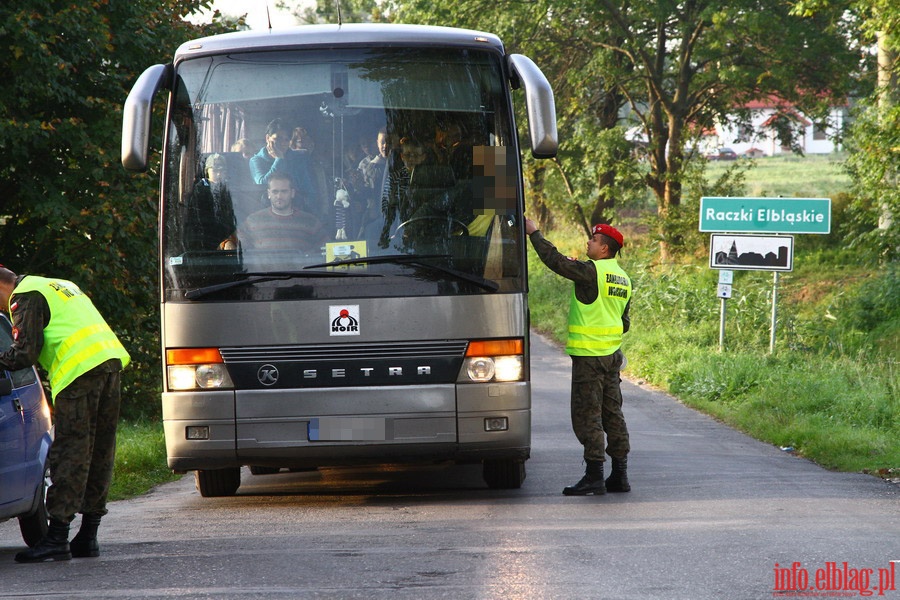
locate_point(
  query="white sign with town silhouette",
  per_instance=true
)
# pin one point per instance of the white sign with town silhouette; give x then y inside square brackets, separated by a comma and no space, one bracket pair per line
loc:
[752,252]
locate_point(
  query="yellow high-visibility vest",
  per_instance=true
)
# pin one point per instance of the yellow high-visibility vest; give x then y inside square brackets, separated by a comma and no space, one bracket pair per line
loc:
[596,329]
[77,338]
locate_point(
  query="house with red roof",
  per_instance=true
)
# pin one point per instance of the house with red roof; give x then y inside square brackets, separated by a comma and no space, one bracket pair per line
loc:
[768,117]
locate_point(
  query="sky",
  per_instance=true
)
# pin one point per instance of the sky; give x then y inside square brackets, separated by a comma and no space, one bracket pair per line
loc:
[256,12]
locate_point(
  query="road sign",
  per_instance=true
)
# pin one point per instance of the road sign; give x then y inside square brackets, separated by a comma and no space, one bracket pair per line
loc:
[724,291]
[765,215]
[751,252]
[726,277]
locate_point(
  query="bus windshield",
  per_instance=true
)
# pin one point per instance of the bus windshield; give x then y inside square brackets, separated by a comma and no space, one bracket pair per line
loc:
[336,173]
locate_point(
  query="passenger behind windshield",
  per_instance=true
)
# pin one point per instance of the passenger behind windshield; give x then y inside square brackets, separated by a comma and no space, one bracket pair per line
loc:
[277,157]
[396,204]
[373,171]
[209,221]
[283,225]
[304,143]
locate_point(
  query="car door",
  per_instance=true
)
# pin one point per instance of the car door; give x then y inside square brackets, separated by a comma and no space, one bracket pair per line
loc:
[13,446]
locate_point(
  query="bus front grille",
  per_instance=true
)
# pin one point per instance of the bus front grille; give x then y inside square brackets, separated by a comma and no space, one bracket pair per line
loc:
[382,350]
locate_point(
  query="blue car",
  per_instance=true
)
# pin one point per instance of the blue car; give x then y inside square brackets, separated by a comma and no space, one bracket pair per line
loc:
[25,437]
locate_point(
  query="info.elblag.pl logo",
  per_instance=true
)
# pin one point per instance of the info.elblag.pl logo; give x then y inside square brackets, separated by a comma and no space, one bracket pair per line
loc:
[833,580]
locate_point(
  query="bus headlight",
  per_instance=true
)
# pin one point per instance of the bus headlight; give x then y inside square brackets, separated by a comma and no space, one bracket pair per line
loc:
[212,376]
[508,368]
[497,368]
[196,368]
[205,377]
[480,368]
[494,360]
[182,377]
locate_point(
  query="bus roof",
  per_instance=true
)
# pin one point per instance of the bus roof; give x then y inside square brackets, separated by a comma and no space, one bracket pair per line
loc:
[351,34]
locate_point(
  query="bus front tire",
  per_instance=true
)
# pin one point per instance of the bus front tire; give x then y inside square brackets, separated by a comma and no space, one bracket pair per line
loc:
[260,470]
[214,483]
[504,474]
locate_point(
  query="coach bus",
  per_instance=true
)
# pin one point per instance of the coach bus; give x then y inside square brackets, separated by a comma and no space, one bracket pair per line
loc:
[342,252]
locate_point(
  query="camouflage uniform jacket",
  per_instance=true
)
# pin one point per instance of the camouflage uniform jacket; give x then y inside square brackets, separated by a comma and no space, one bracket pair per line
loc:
[30,314]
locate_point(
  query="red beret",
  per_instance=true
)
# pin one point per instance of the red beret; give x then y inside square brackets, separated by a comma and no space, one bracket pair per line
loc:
[610,231]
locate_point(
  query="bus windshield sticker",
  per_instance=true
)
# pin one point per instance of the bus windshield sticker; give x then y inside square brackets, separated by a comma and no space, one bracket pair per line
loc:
[343,319]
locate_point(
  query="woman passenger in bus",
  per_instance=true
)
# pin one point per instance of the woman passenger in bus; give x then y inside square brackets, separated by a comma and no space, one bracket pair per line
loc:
[277,156]
[243,147]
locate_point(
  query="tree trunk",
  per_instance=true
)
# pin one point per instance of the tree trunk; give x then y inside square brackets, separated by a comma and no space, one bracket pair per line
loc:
[887,97]
[608,115]
[605,201]
[540,212]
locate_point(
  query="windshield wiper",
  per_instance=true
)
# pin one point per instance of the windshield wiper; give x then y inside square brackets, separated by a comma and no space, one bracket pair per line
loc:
[266,276]
[416,260]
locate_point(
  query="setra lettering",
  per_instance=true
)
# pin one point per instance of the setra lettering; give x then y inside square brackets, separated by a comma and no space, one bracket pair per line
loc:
[342,373]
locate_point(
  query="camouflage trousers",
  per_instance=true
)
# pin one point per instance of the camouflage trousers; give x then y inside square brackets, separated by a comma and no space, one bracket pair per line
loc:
[597,406]
[86,414]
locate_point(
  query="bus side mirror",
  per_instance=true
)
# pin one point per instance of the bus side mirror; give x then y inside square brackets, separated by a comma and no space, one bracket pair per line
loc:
[136,118]
[539,105]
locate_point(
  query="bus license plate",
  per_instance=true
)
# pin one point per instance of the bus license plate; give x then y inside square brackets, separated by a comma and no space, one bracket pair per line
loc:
[346,429]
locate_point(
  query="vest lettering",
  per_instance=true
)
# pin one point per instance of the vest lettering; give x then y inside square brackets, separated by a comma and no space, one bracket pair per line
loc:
[77,339]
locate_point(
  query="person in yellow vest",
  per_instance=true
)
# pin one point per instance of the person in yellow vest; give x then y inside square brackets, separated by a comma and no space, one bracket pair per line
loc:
[598,316]
[57,326]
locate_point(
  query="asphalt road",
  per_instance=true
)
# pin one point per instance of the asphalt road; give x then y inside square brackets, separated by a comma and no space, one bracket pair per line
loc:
[711,514]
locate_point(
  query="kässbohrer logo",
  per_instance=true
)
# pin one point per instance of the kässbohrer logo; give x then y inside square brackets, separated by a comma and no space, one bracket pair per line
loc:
[343,319]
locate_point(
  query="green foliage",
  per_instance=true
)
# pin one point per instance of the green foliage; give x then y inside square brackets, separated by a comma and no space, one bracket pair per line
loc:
[874,166]
[70,209]
[679,67]
[866,317]
[326,11]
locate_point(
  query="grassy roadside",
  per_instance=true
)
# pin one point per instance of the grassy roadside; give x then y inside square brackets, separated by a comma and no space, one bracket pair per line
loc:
[140,459]
[811,176]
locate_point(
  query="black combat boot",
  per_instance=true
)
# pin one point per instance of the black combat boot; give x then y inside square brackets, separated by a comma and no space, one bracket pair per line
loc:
[618,479]
[53,546]
[591,483]
[84,544]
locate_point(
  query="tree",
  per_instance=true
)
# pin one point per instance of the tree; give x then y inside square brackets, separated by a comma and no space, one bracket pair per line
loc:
[874,139]
[682,66]
[69,208]
[697,62]
[326,11]
[595,168]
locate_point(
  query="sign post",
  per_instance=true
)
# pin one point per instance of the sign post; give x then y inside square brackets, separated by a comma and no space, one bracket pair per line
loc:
[725,279]
[774,313]
[758,252]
